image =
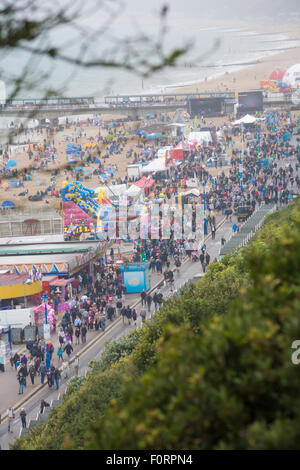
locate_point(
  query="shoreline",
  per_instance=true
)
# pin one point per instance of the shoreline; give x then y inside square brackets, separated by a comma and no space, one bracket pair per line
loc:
[283,55]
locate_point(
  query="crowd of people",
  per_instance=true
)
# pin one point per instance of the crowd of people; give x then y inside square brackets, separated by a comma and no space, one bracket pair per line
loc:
[259,173]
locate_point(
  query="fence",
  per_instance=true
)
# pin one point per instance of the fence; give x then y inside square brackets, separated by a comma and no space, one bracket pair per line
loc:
[249,228]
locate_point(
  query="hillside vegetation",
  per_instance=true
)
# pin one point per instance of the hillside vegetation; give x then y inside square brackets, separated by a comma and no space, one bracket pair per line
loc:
[213,371]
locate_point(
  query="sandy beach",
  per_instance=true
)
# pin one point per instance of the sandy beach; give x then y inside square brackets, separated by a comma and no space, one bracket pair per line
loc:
[246,79]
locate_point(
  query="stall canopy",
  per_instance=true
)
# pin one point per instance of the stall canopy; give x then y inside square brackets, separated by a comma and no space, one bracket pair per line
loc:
[61,282]
[145,183]
[156,165]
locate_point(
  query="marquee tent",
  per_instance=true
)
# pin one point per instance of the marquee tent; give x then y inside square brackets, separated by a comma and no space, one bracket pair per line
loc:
[292,76]
[245,120]
[159,164]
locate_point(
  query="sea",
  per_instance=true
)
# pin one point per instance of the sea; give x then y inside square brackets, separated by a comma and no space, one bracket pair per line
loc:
[212,51]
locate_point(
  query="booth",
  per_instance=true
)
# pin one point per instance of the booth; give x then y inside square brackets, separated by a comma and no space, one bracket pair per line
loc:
[177,154]
[62,286]
[18,289]
[39,315]
[135,277]
[45,284]
[145,184]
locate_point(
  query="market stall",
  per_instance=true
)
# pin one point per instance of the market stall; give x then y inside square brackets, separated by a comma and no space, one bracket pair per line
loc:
[39,315]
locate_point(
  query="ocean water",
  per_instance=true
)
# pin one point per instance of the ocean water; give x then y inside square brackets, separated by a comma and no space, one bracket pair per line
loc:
[236,48]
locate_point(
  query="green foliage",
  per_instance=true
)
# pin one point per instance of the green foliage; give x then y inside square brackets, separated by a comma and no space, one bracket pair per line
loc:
[232,387]
[74,384]
[114,351]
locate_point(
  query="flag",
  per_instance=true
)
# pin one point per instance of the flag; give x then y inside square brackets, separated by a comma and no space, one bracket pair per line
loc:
[195,123]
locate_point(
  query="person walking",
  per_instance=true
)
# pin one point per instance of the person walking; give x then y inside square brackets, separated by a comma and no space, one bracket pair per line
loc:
[202,261]
[10,417]
[65,369]
[43,372]
[32,373]
[149,301]
[49,378]
[61,336]
[76,364]
[43,405]
[134,316]
[143,296]
[128,314]
[68,348]
[57,377]
[119,307]
[21,379]
[23,415]
[77,335]
[207,258]
[123,313]
[155,301]
[83,334]
[143,314]
[60,354]
[213,232]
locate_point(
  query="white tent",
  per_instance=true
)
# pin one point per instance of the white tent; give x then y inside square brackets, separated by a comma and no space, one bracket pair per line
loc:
[163,151]
[245,120]
[192,192]
[134,191]
[176,124]
[200,137]
[292,76]
[112,190]
[159,164]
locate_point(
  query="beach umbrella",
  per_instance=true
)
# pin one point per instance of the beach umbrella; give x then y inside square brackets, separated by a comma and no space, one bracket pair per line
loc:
[87,171]
[11,163]
[96,160]
[140,131]
[79,168]
[6,204]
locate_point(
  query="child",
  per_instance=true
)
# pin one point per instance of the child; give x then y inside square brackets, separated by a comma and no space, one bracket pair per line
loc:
[60,354]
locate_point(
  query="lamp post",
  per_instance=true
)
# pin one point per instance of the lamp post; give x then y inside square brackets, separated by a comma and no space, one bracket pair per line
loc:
[204,208]
[203,184]
[45,299]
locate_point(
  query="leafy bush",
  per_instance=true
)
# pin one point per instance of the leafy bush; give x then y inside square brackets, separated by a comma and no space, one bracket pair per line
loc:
[232,387]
